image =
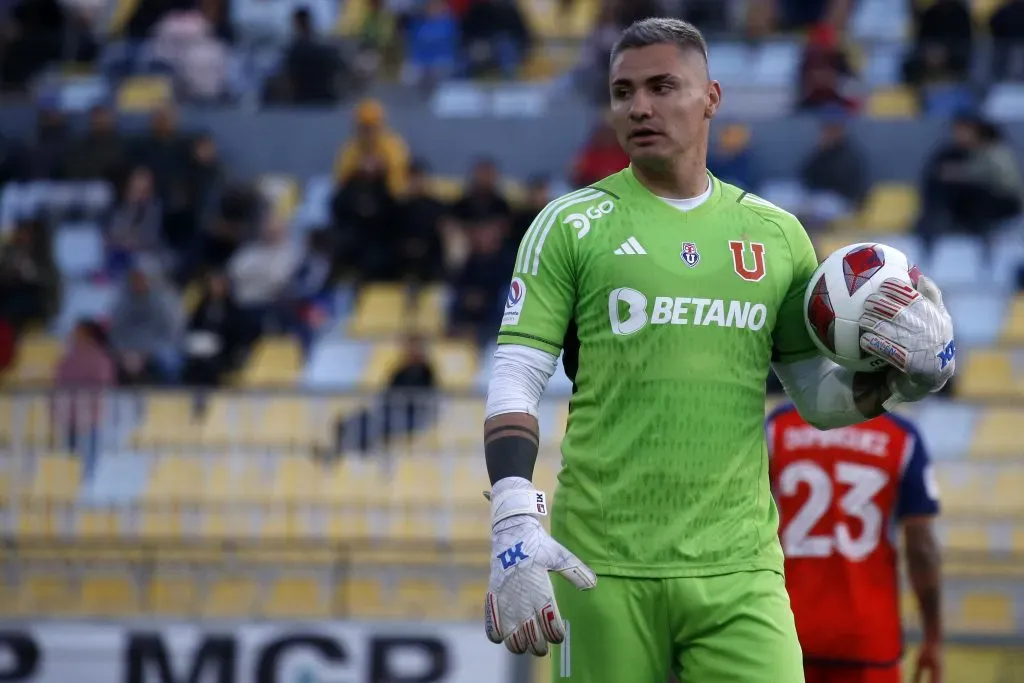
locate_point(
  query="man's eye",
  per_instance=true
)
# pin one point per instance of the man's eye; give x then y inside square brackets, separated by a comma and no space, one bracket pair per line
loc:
[661,88]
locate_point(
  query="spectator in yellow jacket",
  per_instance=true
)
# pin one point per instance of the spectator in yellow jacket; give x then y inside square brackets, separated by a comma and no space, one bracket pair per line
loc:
[374,138]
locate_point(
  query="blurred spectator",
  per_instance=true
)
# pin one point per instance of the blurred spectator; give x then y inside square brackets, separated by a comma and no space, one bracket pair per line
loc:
[600,157]
[826,76]
[431,45]
[34,37]
[47,153]
[376,39]
[29,280]
[835,175]
[137,224]
[218,15]
[186,41]
[374,139]
[83,373]
[630,11]
[213,345]
[145,328]
[418,219]
[483,199]
[494,36]
[591,76]
[730,158]
[1006,25]
[260,273]
[942,43]
[101,153]
[406,407]
[481,283]
[971,184]
[310,299]
[195,199]
[165,151]
[234,220]
[312,67]
[364,211]
[538,194]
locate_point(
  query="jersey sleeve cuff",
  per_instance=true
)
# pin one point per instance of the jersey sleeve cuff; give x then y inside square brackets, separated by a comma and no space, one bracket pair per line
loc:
[531,340]
[795,356]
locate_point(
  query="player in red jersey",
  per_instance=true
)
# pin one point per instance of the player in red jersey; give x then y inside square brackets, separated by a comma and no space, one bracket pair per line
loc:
[842,494]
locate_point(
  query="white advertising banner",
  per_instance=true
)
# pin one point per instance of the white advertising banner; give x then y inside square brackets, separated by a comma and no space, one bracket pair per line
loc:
[163,652]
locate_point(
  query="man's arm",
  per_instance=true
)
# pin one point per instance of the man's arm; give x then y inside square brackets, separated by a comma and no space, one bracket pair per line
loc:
[924,564]
[829,395]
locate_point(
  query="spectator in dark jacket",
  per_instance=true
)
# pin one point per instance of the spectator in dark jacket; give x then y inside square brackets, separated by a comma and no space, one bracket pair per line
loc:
[312,67]
[146,326]
[364,212]
[835,175]
[419,222]
[480,285]
[494,36]
[943,42]
[213,343]
[29,280]
[101,153]
[406,407]
[137,224]
[538,194]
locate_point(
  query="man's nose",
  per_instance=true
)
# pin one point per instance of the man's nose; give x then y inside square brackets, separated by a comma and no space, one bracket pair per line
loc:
[640,106]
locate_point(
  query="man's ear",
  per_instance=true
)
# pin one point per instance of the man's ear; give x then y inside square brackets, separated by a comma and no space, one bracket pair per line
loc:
[714,100]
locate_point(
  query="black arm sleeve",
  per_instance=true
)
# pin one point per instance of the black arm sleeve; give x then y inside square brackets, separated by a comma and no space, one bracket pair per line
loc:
[513,453]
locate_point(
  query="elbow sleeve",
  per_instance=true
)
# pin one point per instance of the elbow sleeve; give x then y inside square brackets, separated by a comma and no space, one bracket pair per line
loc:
[518,379]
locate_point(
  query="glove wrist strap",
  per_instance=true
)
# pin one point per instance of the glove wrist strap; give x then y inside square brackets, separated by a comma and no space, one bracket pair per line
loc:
[518,502]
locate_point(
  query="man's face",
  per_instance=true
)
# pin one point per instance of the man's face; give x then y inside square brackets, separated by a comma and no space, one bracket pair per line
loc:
[661,101]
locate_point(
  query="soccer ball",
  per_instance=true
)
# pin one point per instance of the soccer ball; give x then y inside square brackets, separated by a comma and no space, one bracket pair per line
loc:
[835,296]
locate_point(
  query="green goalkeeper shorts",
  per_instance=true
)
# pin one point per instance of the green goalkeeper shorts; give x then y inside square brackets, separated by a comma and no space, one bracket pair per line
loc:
[732,628]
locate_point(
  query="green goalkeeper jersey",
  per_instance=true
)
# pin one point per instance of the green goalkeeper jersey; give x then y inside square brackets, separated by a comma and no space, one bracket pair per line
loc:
[668,321]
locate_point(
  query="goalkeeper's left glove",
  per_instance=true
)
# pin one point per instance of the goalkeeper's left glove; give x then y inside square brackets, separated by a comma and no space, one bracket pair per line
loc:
[910,328]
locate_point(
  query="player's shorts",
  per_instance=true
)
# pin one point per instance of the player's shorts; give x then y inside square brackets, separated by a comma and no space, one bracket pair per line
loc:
[732,628]
[852,674]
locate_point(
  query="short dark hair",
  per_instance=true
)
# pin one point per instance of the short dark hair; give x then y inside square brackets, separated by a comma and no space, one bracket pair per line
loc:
[661,31]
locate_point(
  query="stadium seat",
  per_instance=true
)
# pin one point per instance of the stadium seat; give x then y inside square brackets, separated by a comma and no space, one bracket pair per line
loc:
[1008,493]
[958,261]
[274,361]
[423,598]
[278,421]
[381,310]
[47,594]
[986,374]
[167,421]
[469,598]
[230,596]
[1004,101]
[99,524]
[978,312]
[297,480]
[894,102]
[986,612]
[1013,329]
[122,12]
[890,207]
[997,433]
[351,18]
[138,94]
[361,598]
[446,189]
[547,21]
[293,597]
[109,596]
[25,419]
[982,10]
[172,596]
[35,361]
[431,311]
[78,250]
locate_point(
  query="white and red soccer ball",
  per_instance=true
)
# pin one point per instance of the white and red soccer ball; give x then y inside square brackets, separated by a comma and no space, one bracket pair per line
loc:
[835,297]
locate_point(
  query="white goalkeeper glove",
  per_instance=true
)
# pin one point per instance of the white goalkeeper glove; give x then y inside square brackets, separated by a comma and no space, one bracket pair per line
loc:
[520,608]
[910,328]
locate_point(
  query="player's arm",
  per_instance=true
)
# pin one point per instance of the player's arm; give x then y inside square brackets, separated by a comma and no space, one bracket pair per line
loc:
[520,608]
[917,509]
[826,394]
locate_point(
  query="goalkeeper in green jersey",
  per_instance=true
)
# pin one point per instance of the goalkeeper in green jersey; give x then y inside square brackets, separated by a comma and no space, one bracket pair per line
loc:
[669,295]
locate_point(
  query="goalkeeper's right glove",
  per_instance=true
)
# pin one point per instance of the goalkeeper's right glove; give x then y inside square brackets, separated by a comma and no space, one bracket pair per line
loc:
[520,609]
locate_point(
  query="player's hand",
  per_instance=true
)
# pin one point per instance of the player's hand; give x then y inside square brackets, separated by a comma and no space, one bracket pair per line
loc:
[910,329]
[520,608]
[929,664]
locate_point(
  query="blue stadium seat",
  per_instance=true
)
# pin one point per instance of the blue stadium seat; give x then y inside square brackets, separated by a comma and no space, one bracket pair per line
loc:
[1008,256]
[909,245]
[978,314]
[315,208]
[78,249]
[883,63]
[83,299]
[958,261]
[947,100]
[880,21]
[728,61]
[776,64]
[1005,102]
[945,427]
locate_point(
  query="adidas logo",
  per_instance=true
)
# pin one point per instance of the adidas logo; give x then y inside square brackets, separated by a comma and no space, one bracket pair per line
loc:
[630,246]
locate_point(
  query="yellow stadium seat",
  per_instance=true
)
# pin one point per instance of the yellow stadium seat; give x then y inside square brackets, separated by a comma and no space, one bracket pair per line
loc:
[982,10]
[380,310]
[1013,328]
[231,596]
[890,207]
[967,539]
[417,480]
[55,596]
[359,598]
[828,242]
[470,599]
[355,483]
[429,315]
[909,609]
[423,598]
[144,94]
[109,596]
[997,432]
[98,524]
[547,20]
[987,613]
[416,524]
[167,420]
[282,192]
[456,364]
[892,103]
[278,421]
[273,361]
[172,596]
[297,597]
[298,480]
[960,494]
[987,374]
[353,524]
[351,18]
[177,478]
[57,478]
[1008,492]
[1017,540]
[225,420]
[228,520]
[35,360]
